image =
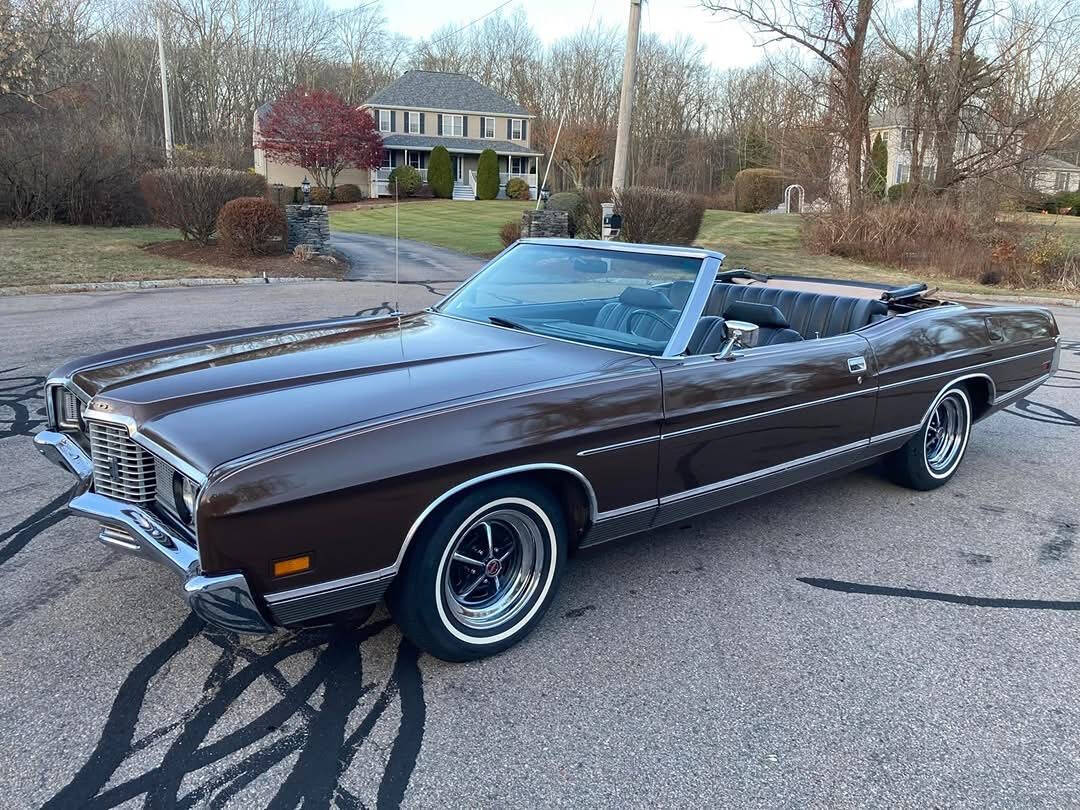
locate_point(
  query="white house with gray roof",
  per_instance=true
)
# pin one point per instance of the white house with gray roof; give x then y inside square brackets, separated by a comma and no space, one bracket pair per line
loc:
[1042,173]
[423,109]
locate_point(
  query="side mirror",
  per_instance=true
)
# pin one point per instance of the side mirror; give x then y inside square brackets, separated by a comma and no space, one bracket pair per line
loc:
[739,333]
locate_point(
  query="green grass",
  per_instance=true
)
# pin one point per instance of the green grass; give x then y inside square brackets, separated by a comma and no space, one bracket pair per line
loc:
[770,243]
[1067,226]
[50,254]
[467,226]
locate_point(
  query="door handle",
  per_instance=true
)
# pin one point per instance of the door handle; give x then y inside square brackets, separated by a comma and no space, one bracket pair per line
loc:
[856,365]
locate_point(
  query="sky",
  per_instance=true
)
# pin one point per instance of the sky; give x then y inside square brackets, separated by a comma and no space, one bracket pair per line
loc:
[727,44]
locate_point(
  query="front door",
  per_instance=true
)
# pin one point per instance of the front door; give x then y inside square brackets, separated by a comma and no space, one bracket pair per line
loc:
[456,163]
[767,418]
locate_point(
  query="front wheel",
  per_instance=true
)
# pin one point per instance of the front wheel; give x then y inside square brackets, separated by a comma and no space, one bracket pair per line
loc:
[931,456]
[481,575]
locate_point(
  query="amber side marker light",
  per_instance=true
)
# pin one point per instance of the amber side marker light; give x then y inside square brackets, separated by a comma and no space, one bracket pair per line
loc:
[293,565]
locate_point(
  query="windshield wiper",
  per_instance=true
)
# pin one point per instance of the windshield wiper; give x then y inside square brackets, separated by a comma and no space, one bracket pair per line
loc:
[495,319]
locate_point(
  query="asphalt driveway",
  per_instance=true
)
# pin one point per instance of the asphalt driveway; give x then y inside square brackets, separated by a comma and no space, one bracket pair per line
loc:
[842,644]
[371,258]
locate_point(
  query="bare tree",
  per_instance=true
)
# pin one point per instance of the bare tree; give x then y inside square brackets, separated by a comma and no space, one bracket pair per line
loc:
[836,32]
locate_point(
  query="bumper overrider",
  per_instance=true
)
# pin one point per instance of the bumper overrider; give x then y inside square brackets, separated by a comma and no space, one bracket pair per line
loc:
[223,600]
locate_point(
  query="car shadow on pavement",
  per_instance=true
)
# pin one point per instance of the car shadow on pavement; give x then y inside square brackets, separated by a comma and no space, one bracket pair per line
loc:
[322,741]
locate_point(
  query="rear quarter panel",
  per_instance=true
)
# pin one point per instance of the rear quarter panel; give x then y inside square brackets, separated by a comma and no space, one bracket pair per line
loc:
[918,355]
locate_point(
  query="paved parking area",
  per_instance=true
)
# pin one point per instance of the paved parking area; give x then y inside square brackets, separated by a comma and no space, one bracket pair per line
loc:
[735,660]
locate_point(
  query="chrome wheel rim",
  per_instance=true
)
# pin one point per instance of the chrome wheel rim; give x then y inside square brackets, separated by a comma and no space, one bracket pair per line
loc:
[494,569]
[946,434]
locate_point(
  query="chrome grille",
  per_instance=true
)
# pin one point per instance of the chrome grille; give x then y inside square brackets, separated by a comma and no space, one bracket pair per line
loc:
[122,469]
[67,408]
[165,496]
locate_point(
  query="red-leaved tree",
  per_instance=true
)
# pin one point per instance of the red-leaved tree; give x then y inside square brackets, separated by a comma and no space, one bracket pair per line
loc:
[318,130]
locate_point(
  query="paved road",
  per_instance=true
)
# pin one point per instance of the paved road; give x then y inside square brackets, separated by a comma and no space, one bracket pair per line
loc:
[685,667]
[372,259]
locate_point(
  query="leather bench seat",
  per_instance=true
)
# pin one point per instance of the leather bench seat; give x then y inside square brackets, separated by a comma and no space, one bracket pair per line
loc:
[812,315]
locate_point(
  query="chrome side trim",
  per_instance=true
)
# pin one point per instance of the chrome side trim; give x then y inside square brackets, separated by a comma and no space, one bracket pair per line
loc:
[619,445]
[773,412]
[1016,393]
[305,608]
[330,585]
[763,473]
[612,514]
[695,305]
[895,434]
[965,368]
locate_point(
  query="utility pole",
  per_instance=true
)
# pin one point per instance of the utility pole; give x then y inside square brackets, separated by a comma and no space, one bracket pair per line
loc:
[626,99]
[166,115]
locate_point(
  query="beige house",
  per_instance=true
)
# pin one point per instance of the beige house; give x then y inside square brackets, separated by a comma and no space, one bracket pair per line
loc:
[1041,173]
[424,109]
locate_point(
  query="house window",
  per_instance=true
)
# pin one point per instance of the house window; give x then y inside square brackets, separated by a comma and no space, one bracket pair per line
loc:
[413,123]
[387,159]
[384,121]
[903,173]
[452,125]
[907,139]
[1061,181]
[487,127]
[519,165]
[515,129]
[416,159]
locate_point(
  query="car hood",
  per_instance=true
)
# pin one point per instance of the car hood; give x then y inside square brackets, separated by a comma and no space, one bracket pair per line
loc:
[215,398]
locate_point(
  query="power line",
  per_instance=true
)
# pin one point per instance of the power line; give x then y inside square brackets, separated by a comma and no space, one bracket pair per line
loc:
[473,22]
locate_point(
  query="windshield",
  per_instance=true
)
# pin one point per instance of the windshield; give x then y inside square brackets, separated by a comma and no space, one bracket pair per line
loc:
[611,298]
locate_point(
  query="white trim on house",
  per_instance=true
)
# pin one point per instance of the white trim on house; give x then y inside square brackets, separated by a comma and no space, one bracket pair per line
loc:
[456,127]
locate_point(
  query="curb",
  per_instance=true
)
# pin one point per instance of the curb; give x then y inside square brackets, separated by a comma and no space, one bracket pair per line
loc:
[156,284]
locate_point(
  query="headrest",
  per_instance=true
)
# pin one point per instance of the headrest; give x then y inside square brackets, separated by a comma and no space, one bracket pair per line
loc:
[762,314]
[645,297]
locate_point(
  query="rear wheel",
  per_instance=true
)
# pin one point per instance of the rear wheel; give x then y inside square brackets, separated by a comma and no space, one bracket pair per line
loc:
[481,575]
[931,456]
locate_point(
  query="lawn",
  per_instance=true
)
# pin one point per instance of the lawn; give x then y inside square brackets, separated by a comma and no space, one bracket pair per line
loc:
[467,226]
[38,255]
[770,243]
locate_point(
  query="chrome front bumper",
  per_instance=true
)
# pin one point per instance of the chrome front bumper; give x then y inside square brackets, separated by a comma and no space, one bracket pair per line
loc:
[223,600]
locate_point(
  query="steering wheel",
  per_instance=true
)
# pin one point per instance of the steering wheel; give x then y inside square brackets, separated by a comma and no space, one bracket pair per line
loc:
[647,313]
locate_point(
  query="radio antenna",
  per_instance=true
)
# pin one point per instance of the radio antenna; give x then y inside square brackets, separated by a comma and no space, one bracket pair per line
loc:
[397,272]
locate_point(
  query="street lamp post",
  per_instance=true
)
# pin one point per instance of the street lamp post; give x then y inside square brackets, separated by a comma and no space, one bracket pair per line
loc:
[305,186]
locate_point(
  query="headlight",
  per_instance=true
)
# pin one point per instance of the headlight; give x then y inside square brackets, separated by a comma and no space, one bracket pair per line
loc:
[67,408]
[184,493]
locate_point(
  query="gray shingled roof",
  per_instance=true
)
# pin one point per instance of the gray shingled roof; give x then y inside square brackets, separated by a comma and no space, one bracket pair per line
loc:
[397,140]
[445,91]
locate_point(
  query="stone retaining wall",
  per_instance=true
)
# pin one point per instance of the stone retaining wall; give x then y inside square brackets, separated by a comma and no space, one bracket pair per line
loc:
[545,223]
[308,226]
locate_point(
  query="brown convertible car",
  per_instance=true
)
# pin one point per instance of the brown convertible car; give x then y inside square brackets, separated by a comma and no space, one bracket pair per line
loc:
[568,394]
